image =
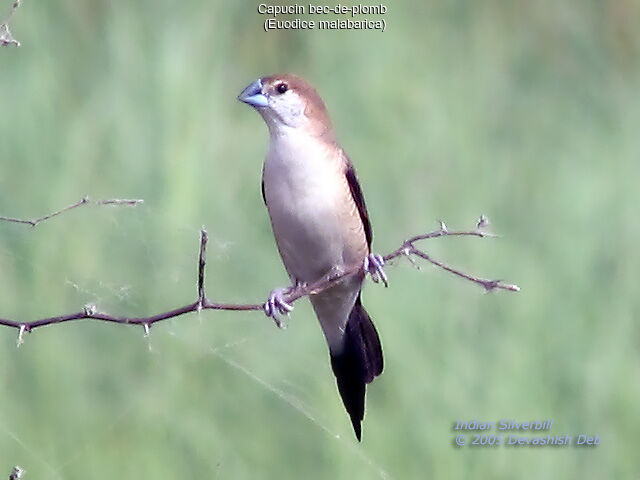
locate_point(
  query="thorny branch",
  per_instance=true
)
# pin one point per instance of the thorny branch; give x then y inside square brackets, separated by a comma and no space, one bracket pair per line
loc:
[83,201]
[5,34]
[407,249]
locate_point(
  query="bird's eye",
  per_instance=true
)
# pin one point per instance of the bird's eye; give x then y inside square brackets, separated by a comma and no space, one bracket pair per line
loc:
[282,88]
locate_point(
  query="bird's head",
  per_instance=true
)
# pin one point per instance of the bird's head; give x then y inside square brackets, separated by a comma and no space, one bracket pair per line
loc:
[287,102]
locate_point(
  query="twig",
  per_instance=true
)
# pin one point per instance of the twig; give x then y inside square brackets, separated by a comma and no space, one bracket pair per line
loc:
[83,201]
[407,249]
[5,34]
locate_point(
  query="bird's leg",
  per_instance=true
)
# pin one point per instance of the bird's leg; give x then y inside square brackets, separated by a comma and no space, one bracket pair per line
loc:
[276,306]
[374,266]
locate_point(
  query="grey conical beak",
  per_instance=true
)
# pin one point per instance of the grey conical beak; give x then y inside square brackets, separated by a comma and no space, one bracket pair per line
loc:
[253,95]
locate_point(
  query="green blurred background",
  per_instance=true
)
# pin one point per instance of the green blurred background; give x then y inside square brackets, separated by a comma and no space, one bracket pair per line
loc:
[527,112]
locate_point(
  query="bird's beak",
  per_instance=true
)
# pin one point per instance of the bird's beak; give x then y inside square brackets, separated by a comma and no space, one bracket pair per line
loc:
[253,95]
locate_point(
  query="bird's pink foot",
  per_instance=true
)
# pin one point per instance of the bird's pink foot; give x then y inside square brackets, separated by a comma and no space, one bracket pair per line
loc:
[276,306]
[374,266]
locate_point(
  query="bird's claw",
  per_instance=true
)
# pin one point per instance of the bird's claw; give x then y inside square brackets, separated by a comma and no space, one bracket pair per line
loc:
[276,306]
[374,266]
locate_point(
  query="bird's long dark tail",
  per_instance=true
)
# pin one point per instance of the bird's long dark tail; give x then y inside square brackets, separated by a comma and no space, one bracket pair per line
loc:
[358,363]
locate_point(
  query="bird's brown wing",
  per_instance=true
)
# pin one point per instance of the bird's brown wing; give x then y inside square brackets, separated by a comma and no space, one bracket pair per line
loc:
[358,198]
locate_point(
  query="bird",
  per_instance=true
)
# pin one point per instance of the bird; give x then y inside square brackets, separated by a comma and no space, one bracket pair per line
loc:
[321,227]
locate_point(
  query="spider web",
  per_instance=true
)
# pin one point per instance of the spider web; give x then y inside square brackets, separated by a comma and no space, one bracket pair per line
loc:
[117,293]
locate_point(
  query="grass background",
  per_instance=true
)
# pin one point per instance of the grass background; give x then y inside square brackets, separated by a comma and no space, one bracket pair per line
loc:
[527,112]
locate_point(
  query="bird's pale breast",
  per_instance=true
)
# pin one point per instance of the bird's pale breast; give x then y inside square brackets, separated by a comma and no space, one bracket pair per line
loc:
[314,218]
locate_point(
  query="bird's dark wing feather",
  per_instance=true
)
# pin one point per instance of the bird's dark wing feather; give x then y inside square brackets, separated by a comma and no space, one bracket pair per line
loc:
[358,198]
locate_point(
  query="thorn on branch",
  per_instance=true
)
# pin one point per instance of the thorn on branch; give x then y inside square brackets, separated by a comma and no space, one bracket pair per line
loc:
[17,472]
[20,341]
[90,310]
[147,336]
